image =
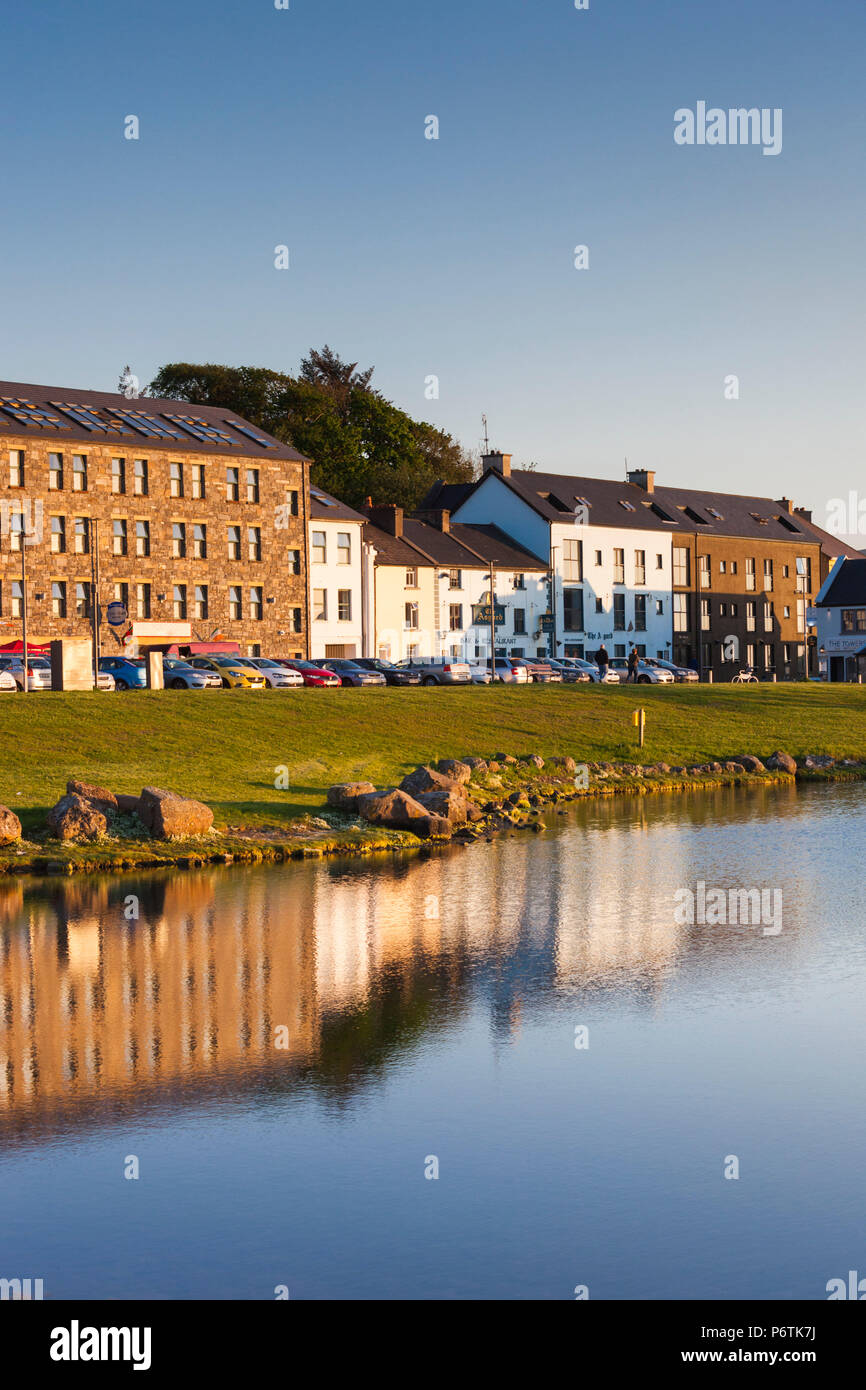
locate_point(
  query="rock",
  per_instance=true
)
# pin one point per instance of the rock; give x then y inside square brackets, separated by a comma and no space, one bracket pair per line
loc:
[476,764]
[397,810]
[494,767]
[10,826]
[731,767]
[73,818]
[453,768]
[100,797]
[518,798]
[127,804]
[344,795]
[714,767]
[781,761]
[505,758]
[532,759]
[169,817]
[427,779]
[568,764]
[538,828]
[750,763]
[456,809]
[819,760]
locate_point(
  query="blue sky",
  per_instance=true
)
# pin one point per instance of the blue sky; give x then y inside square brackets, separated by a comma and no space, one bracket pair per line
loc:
[454,257]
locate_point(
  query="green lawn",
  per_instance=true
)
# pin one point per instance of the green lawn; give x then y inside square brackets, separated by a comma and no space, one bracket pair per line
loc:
[226,747]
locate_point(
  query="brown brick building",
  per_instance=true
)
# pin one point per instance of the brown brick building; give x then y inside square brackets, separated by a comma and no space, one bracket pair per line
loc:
[196,518]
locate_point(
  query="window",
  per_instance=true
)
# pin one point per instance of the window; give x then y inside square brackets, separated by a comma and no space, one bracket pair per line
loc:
[16,467]
[723,567]
[804,574]
[235,603]
[297,620]
[16,599]
[854,620]
[175,476]
[82,535]
[785,572]
[320,548]
[598,557]
[723,610]
[455,579]
[292,503]
[750,574]
[201,604]
[252,485]
[768,617]
[344,605]
[140,484]
[82,599]
[705,615]
[16,530]
[640,567]
[233,534]
[254,542]
[786,611]
[410,620]
[118,476]
[572,560]
[640,612]
[734,610]
[519,581]
[704,572]
[232,485]
[58,535]
[751,614]
[455,617]
[750,653]
[660,607]
[320,605]
[572,610]
[599,605]
[256,604]
[118,537]
[619,612]
[660,562]
[142,600]
[199,540]
[197,480]
[178,540]
[120,594]
[344,548]
[142,538]
[519,620]
[294,562]
[58,599]
[681,617]
[412,577]
[768,575]
[681,568]
[179,600]
[619,566]
[55,472]
[733,567]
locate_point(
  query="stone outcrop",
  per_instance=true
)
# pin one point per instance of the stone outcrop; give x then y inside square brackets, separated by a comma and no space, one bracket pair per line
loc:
[171,817]
[397,810]
[75,818]
[100,797]
[455,769]
[428,779]
[750,763]
[819,761]
[781,761]
[343,796]
[458,810]
[10,826]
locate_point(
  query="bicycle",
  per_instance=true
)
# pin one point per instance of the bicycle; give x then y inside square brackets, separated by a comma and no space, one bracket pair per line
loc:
[746,677]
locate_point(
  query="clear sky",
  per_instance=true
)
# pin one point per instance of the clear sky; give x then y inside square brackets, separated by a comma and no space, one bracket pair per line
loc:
[455,257]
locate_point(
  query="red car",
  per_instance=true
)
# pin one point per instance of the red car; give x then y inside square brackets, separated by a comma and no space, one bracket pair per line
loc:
[312,674]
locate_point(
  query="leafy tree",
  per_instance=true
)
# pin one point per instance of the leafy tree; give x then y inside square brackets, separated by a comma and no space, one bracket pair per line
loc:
[361,445]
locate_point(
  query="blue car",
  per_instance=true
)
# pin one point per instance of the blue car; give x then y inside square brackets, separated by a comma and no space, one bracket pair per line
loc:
[128,671]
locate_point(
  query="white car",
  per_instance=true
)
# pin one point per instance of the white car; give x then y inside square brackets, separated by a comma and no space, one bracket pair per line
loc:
[276,676]
[611,677]
[38,671]
[646,675]
[8,681]
[480,672]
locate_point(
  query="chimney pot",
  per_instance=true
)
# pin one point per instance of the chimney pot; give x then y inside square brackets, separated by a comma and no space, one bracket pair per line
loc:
[500,463]
[643,478]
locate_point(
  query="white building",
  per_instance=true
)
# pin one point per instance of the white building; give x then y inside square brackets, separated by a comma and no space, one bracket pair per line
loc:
[839,617]
[338,568]
[609,550]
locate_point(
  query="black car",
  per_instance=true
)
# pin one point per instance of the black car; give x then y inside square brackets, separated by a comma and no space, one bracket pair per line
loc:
[350,672]
[394,675]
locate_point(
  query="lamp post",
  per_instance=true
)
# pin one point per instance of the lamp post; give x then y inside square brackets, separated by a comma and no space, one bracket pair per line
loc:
[26,686]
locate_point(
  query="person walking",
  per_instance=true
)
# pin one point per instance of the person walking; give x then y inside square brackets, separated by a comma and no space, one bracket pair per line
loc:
[633,660]
[601,660]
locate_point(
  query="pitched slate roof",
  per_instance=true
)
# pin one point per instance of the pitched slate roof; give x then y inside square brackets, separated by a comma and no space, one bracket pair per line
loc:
[493,544]
[49,412]
[390,550]
[846,584]
[324,507]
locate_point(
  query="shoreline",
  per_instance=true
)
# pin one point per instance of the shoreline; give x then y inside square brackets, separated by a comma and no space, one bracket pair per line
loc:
[511,798]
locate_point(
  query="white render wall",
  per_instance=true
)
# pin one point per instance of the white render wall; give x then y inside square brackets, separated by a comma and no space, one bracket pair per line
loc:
[463,642]
[598,583]
[333,576]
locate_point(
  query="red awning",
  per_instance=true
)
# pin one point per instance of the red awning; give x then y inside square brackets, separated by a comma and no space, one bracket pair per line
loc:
[33,648]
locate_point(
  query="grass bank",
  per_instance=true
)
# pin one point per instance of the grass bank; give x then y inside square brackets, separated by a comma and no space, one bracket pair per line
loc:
[231,748]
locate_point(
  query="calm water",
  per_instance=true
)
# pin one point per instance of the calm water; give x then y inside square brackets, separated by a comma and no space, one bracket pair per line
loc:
[406,1035]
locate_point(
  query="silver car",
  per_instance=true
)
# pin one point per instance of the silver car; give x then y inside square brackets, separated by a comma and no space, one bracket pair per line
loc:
[480,672]
[8,681]
[38,671]
[646,675]
[590,669]
[438,670]
[277,677]
[683,675]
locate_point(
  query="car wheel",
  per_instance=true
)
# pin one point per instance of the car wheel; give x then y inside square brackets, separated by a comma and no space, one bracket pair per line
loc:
[225,684]
[178,684]
[120,683]
[644,680]
[429,680]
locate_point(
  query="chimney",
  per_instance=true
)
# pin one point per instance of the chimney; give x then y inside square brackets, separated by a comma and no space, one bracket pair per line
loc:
[643,477]
[387,517]
[500,463]
[804,512]
[434,516]
[787,504]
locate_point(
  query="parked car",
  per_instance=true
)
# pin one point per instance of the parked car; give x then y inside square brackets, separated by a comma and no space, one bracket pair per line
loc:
[681,674]
[311,674]
[180,675]
[393,674]
[508,670]
[539,671]
[570,674]
[8,681]
[351,673]
[233,671]
[277,676]
[646,675]
[580,671]
[480,672]
[104,680]
[38,671]
[128,671]
[438,670]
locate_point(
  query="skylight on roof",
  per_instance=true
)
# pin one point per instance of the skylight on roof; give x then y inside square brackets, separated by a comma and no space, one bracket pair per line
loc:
[788,524]
[711,511]
[26,413]
[629,506]
[200,429]
[88,419]
[148,425]
[251,433]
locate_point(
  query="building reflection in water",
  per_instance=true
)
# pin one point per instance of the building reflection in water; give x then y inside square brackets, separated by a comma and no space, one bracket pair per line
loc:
[102,1017]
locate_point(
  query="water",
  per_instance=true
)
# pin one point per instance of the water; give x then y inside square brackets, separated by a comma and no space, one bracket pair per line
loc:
[408,1036]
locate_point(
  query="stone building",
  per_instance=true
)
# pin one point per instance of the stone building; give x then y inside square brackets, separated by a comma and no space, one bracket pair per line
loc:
[189,516]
